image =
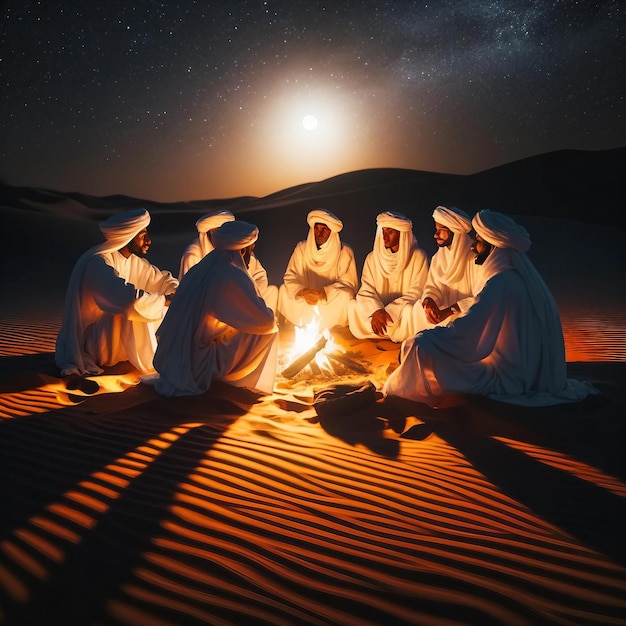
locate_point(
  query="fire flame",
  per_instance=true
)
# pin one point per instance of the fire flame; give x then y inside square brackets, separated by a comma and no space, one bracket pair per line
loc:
[306,336]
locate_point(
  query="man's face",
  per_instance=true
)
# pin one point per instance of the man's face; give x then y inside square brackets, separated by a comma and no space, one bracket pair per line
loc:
[391,238]
[321,233]
[443,235]
[246,253]
[140,243]
[481,249]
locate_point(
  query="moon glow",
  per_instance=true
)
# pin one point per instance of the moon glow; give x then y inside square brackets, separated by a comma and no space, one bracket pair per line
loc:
[309,122]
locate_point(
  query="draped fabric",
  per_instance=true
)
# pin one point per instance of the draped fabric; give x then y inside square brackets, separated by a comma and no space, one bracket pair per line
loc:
[112,303]
[332,268]
[217,328]
[391,281]
[508,346]
[388,263]
[194,253]
[197,249]
[452,274]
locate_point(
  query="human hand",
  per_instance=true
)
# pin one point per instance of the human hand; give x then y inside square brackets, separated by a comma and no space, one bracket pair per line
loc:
[431,310]
[380,319]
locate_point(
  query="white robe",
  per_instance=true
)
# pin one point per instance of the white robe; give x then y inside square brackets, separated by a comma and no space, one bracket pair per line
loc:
[193,255]
[443,289]
[113,308]
[398,294]
[217,328]
[340,283]
[503,348]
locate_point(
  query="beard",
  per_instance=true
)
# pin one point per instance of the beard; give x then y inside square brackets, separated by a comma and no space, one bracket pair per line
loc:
[136,250]
[482,257]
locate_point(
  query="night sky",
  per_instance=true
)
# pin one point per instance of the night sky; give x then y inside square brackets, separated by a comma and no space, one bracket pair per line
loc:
[190,100]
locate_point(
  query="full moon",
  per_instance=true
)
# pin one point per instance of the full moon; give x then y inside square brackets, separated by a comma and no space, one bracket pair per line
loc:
[309,122]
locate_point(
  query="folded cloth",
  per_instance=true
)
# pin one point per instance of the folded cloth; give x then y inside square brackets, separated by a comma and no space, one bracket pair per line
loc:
[341,399]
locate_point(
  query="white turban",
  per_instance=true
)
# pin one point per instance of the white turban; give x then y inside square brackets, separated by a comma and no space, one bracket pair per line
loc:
[397,221]
[387,262]
[456,220]
[121,229]
[321,216]
[213,220]
[452,260]
[208,222]
[235,235]
[501,231]
[324,258]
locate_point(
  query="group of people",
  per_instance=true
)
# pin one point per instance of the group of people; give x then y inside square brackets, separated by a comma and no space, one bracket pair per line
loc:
[477,318]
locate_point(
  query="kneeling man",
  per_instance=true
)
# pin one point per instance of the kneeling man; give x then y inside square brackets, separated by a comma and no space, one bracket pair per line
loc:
[217,327]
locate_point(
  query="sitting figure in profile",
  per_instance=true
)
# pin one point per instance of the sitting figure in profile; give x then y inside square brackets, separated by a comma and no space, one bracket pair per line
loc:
[321,276]
[388,303]
[509,344]
[218,327]
[114,303]
[198,248]
[449,288]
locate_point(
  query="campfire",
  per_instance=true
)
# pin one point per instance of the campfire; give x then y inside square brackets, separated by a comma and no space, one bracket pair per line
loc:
[314,348]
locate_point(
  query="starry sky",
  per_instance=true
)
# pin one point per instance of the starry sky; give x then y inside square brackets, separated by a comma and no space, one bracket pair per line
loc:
[191,100]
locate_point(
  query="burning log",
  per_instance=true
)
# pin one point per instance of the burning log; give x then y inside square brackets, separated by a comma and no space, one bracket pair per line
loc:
[304,359]
[346,361]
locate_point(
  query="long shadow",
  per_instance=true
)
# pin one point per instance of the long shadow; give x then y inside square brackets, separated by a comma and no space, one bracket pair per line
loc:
[582,509]
[17,372]
[75,588]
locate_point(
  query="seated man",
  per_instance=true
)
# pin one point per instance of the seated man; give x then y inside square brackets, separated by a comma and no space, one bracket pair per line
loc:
[200,247]
[388,302]
[508,346]
[115,301]
[321,276]
[452,273]
[218,328]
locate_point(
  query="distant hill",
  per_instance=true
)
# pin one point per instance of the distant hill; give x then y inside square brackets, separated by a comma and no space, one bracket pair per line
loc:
[582,185]
[565,186]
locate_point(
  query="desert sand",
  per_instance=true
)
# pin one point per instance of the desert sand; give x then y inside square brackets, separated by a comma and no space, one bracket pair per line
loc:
[236,508]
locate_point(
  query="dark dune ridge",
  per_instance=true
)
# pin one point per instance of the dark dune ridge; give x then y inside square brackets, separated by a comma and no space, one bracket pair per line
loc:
[230,508]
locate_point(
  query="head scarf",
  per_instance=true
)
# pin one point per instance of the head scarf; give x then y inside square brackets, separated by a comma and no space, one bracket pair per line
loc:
[324,260]
[387,262]
[501,231]
[209,222]
[321,216]
[456,220]
[235,235]
[453,259]
[118,230]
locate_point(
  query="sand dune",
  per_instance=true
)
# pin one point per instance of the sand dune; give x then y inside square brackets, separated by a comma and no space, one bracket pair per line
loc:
[234,508]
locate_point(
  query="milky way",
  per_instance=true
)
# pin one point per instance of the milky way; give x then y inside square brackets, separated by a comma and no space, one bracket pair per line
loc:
[193,100]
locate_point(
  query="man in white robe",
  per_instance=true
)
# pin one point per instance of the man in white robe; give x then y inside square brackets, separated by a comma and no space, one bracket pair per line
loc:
[218,328]
[197,249]
[115,301]
[508,346]
[449,288]
[321,276]
[394,273]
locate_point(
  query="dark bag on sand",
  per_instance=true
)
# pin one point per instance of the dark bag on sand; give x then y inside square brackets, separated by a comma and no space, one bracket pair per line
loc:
[340,399]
